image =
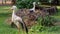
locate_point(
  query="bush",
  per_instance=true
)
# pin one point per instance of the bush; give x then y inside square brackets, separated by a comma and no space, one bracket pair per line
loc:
[25,3]
[42,23]
[46,21]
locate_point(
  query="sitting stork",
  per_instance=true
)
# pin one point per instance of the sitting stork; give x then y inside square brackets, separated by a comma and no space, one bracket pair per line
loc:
[18,20]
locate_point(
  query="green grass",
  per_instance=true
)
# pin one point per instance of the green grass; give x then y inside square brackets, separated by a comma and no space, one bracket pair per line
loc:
[6,29]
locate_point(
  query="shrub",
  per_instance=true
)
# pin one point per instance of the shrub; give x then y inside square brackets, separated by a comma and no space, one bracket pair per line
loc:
[25,3]
[46,21]
[42,23]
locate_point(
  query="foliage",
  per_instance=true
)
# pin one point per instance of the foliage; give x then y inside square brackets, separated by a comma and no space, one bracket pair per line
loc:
[6,29]
[42,23]
[47,21]
[25,3]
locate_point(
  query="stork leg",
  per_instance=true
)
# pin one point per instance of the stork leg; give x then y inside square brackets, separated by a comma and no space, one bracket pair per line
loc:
[24,27]
[13,25]
[18,26]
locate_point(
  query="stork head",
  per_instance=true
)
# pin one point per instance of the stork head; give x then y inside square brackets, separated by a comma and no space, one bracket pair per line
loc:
[38,2]
[34,3]
[13,7]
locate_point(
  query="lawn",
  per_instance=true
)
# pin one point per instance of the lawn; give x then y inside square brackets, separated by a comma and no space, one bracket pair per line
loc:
[5,13]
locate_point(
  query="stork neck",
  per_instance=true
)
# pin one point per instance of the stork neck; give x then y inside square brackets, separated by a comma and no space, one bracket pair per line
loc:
[13,11]
[34,6]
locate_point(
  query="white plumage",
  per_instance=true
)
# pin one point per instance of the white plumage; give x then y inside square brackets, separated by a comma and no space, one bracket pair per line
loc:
[33,9]
[18,20]
[14,16]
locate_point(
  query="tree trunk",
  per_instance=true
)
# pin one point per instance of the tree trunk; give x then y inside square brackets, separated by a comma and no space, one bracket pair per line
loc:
[2,1]
[13,2]
[5,1]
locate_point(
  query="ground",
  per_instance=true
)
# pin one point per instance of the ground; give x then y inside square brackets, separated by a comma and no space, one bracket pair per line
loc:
[5,13]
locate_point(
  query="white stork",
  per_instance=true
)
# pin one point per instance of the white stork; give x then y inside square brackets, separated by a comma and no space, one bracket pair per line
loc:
[18,20]
[33,9]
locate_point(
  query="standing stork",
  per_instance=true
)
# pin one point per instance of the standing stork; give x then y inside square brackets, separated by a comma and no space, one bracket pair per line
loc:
[18,20]
[33,9]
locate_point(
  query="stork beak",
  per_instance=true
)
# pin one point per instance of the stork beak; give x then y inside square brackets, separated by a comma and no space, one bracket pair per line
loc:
[11,8]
